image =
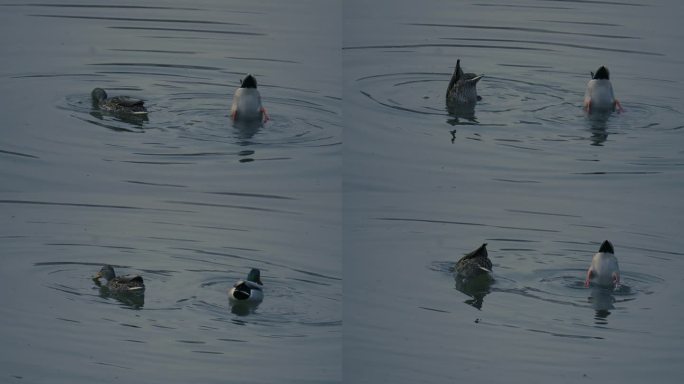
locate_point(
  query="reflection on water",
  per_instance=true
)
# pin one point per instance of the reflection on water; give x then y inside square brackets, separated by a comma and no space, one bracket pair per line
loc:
[602,301]
[598,127]
[476,288]
[132,300]
[136,120]
[243,309]
[458,112]
[246,130]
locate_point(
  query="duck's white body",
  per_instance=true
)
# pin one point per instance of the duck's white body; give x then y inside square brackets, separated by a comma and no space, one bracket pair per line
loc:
[604,269]
[246,292]
[247,105]
[599,95]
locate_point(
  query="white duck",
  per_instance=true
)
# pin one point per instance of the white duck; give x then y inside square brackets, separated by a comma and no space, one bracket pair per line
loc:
[604,269]
[247,102]
[249,290]
[599,96]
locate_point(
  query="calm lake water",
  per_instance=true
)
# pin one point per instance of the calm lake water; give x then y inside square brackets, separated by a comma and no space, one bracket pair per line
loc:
[182,197]
[192,202]
[530,175]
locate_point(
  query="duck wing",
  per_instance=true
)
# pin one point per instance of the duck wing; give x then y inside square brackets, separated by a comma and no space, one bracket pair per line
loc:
[475,262]
[129,282]
[127,101]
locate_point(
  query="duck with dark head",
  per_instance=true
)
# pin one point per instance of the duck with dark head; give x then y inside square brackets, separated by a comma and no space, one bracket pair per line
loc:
[117,104]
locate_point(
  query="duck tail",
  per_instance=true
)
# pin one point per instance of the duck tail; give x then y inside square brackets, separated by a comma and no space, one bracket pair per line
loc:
[480,252]
[455,76]
[606,247]
[240,295]
[601,73]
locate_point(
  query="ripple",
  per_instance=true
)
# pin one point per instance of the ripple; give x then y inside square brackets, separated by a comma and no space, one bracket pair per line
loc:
[601,48]
[192,30]
[311,120]
[524,114]
[423,93]
[136,19]
[287,300]
[571,281]
[434,221]
[20,154]
[98,6]
[518,29]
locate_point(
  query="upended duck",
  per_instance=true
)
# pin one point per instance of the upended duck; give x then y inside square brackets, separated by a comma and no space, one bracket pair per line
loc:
[462,87]
[119,284]
[249,290]
[117,104]
[604,270]
[599,96]
[474,264]
[247,105]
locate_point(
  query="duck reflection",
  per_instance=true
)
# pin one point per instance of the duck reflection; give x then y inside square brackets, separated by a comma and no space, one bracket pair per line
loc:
[132,300]
[246,130]
[477,288]
[460,114]
[136,120]
[243,309]
[598,127]
[602,301]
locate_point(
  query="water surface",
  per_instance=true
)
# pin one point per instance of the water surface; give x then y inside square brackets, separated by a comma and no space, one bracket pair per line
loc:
[182,196]
[529,174]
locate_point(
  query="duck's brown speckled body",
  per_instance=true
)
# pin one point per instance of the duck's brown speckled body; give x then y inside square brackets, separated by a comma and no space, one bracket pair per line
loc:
[474,264]
[462,88]
[119,284]
[117,104]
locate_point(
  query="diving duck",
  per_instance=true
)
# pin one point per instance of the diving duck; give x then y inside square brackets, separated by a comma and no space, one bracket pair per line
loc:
[247,102]
[474,264]
[599,96]
[462,87]
[117,104]
[119,284]
[249,290]
[604,270]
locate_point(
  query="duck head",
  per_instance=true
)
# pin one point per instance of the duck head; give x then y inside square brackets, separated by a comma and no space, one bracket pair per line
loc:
[98,94]
[254,276]
[106,272]
[248,82]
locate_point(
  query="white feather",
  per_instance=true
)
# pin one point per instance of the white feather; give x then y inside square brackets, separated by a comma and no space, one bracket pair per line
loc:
[604,266]
[600,94]
[247,104]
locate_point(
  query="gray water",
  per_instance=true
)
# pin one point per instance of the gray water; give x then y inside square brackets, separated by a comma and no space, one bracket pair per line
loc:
[183,197]
[529,174]
[192,202]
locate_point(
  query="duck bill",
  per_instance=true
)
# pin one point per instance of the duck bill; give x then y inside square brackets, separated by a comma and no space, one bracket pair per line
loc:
[97,276]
